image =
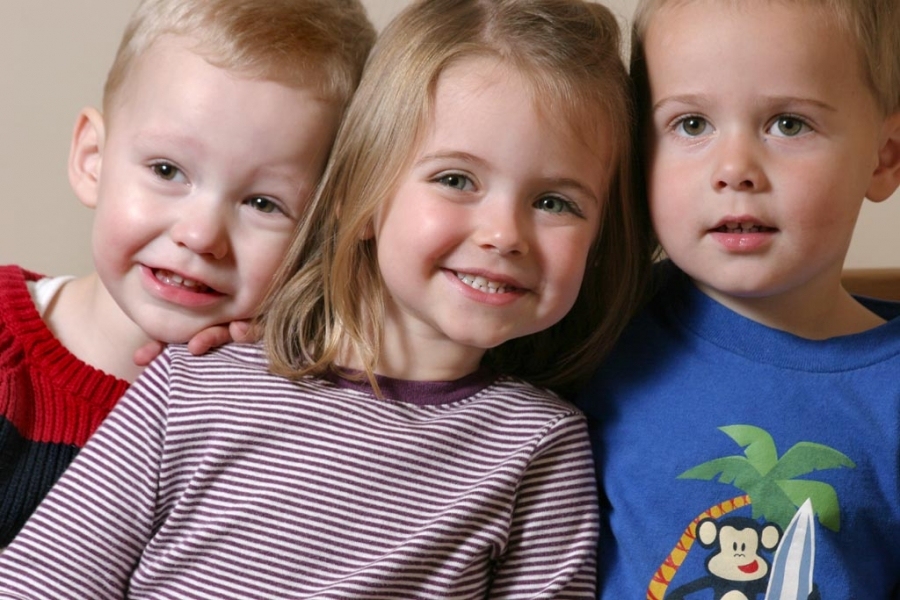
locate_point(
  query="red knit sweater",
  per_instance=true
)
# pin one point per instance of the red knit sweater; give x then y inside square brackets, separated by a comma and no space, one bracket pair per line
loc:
[50,403]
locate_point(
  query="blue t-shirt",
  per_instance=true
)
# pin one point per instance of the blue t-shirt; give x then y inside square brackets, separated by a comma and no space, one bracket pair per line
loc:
[710,430]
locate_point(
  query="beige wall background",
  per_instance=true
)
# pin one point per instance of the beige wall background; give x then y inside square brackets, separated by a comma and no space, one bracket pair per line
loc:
[53,60]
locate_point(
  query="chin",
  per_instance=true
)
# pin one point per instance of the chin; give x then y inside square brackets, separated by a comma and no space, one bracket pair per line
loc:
[174,333]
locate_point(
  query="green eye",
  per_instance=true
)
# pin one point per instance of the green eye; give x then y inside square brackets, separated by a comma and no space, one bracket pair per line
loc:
[789,126]
[263,205]
[693,126]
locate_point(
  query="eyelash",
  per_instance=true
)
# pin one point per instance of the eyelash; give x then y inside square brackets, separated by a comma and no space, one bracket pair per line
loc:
[804,124]
[567,205]
[678,124]
[272,206]
[159,167]
[275,207]
[445,180]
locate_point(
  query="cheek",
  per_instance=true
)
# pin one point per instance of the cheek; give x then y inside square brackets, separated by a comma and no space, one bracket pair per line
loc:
[411,232]
[127,222]
[820,208]
[114,238]
[661,217]
[259,264]
[569,262]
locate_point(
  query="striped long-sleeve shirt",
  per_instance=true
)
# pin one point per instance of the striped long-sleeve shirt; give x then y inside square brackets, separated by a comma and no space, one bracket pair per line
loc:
[213,478]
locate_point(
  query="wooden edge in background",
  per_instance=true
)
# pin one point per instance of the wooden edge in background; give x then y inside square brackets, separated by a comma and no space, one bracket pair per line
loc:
[875,283]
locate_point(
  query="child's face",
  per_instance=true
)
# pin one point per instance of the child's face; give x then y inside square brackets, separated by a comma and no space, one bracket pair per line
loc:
[488,233]
[764,139]
[202,177]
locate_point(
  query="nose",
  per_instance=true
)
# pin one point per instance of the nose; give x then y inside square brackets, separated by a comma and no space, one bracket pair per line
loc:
[201,226]
[501,228]
[738,165]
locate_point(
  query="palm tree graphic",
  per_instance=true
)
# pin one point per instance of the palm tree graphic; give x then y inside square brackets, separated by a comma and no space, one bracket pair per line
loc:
[768,483]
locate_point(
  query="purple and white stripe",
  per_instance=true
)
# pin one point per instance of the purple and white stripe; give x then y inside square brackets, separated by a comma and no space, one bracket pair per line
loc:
[215,479]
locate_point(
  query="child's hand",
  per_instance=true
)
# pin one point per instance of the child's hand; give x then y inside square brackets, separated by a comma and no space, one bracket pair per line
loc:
[202,342]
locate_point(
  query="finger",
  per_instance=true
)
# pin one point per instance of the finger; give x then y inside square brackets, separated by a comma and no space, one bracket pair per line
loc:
[209,338]
[144,355]
[244,332]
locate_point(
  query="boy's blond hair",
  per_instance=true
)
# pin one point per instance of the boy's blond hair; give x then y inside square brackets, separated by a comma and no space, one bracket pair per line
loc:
[874,26]
[321,44]
[330,289]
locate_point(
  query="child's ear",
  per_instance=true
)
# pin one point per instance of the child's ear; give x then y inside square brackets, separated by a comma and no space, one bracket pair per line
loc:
[85,155]
[368,231]
[886,177]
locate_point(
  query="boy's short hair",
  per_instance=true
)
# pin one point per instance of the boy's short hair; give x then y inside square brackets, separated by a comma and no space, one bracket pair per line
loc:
[300,43]
[569,51]
[873,24]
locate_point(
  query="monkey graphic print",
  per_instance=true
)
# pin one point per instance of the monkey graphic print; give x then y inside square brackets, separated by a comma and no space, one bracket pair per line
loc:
[728,453]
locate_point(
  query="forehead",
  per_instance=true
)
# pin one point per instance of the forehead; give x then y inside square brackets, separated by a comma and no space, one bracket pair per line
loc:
[695,15]
[175,102]
[490,87]
[742,45]
[169,58]
[486,111]
[499,93]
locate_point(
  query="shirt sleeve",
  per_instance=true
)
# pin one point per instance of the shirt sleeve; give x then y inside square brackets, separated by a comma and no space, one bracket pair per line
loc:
[553,535]
[87,536]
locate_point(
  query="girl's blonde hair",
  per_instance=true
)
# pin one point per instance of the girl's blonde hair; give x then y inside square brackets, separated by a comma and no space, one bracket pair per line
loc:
[329,290]
[874,25]
[321,44]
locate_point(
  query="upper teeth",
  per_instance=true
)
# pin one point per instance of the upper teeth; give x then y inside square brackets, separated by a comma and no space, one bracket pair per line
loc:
[480,283]
[743,227]
[175,279]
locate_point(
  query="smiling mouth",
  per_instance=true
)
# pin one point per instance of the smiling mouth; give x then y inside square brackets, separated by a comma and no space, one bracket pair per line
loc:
[176,280]
[742,227]
[485,285]
[749,567]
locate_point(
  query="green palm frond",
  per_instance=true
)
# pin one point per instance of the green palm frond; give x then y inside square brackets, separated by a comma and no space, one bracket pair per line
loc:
[758,445]
[772,482]
[806,457]
[824,500]
[734,470]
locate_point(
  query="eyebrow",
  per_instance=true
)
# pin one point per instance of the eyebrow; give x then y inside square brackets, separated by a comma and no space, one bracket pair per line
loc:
[701,99]
[148,139]
[555,182]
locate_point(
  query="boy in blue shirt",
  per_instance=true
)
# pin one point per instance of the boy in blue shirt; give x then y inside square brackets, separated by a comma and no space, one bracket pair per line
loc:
[753,382]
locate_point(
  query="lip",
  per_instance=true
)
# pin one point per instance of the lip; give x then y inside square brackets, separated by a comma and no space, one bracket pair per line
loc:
[742,234]
[497,290]
[199,296]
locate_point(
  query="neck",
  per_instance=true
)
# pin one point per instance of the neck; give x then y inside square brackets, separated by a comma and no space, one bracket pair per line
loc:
[415,360]
[814,311]
[90,324]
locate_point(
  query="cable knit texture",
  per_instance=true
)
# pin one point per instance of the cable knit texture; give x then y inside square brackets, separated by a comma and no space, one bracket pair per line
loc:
[50,403]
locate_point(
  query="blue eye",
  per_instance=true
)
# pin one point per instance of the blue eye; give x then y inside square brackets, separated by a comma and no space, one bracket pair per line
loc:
[456,181]
[555,204]
[262,204]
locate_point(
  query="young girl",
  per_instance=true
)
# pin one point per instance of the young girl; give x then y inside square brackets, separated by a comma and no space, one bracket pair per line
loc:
[472,208]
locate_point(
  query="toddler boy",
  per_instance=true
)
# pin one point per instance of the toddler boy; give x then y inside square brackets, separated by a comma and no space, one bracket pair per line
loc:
[218,116]
[753,382]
